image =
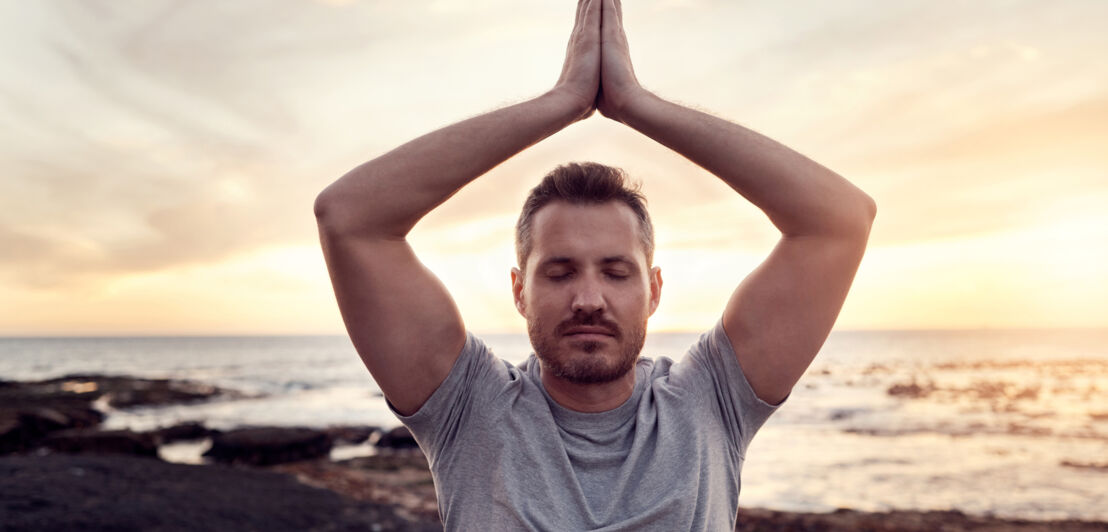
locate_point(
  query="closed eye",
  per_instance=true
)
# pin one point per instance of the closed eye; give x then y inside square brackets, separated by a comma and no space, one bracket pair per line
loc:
[559,276]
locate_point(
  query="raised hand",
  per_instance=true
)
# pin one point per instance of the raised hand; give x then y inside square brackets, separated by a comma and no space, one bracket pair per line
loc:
[618,84]
[581,71]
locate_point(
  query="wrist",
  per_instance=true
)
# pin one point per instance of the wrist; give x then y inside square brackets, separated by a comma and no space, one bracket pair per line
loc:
[628,105]
[574,104]
[631,108]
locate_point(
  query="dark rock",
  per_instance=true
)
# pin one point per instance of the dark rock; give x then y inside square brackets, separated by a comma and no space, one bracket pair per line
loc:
[845,520]
[1094,466]
[29,411]
[96,442]
[160,392]
[88,492]
[269,445]
[191,430]
[124,391]
[391,461]
[23,426]
[397,438]
[350,434]
[912,390]
[119,391]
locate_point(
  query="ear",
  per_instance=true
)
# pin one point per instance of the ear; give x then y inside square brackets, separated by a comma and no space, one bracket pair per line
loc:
[655,288]
[517,291]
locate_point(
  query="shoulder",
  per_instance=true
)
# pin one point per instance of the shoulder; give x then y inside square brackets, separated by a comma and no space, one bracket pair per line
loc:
[710,367]
[710,352]
[476,378]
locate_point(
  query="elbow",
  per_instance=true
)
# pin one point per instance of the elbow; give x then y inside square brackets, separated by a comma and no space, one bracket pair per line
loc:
[857,221]
[333,213]
[341,214]
[869,207]
[866,213]
[324,208]
[320,206]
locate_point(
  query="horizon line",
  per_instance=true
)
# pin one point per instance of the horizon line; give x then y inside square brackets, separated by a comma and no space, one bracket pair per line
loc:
[247,334]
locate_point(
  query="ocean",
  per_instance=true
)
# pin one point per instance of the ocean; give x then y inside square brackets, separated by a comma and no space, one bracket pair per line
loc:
[1007,423]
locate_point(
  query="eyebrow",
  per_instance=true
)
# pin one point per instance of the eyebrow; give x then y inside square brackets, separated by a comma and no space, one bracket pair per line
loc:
[606,260]
[556,260]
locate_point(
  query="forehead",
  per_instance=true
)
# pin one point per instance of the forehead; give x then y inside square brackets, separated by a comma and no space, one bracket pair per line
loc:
[585,232]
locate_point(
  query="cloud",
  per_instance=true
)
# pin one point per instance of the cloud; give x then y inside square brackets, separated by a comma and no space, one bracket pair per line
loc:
[145,143]
[993,177]
[144,138]
[201,225]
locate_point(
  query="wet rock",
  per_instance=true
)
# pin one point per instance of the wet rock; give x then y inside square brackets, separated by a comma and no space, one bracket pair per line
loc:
[400,479]
[397,438]
[191,430]
[117,391]
[1094,466]
[269,445]
[389,462]
[30,411]
[350,434]
[845,520]
[22,427]
[840,414]
[82,441]
[876,368]
[1019,429]
[912,390]
[126,392]
[112,492]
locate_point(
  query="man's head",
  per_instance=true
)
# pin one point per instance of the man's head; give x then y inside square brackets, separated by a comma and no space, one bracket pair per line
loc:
[585,282]
[583,184]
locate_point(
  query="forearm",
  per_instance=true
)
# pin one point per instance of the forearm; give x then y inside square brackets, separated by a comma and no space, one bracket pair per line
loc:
[800,196]
[386,196]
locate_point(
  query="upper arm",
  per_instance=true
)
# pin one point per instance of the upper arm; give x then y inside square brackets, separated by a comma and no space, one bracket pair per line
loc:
[781,314]
[400,317]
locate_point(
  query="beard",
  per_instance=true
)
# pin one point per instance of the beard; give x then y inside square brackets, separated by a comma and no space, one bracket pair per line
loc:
[585,362]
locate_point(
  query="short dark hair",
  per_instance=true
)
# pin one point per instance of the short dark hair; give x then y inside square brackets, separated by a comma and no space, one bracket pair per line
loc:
[583,183]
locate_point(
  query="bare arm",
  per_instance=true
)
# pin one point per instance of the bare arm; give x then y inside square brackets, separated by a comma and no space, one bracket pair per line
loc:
[779,316]
[401,319]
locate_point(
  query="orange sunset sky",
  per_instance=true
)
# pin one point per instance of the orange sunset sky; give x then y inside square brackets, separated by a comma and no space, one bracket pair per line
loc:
[159,159]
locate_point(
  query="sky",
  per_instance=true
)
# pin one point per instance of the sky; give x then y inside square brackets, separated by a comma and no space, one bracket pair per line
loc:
[159,159]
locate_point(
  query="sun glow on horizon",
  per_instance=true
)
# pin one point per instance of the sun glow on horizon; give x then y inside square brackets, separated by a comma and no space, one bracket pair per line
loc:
[159,170]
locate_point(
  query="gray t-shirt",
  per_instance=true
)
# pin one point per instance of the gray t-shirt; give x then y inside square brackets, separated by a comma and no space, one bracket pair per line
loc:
[506,456]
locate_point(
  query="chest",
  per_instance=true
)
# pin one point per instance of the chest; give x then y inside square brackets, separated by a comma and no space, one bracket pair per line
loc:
[665,461]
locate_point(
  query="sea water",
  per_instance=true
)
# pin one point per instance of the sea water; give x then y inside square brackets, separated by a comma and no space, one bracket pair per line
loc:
[1011,423]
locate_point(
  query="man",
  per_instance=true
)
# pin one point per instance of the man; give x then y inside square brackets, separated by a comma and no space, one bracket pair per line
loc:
[585,435]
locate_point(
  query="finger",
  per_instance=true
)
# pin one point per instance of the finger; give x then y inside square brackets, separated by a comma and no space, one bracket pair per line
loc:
[580,16]
[612,22]
[592,16]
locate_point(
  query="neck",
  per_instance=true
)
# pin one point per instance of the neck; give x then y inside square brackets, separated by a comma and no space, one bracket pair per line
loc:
[589,398]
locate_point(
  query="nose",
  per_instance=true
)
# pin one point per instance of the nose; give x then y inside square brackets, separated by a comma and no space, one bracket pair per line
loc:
[588,297]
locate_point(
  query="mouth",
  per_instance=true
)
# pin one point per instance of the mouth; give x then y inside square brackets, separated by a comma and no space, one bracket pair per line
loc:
[589,332]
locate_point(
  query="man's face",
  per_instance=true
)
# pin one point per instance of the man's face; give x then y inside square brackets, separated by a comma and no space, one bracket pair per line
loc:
[586,291]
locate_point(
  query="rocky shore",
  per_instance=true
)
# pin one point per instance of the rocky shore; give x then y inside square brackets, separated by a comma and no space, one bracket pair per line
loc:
[60,472]
[117,492]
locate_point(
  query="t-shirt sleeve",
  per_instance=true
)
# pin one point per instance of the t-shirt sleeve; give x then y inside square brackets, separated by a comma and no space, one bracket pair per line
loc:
[712,368]
[476,378]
